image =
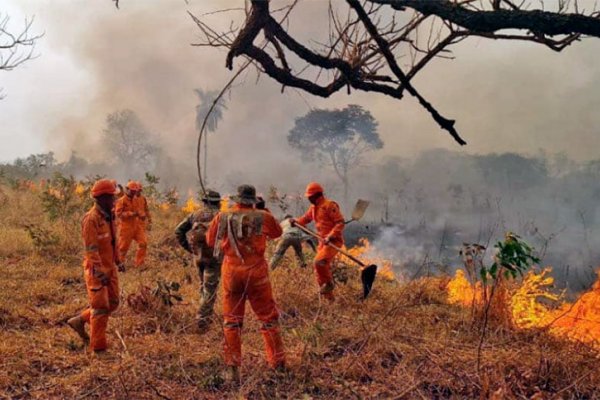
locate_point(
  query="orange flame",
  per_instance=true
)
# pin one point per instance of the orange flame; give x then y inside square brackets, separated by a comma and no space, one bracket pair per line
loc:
[580,321]
[532,304]
[225,204]
[191,205]
[526,309]
[362,250]
[79,189]
[462,292]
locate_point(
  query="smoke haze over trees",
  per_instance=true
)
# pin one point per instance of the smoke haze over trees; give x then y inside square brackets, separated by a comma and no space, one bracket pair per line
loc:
[510,98]
[424,208]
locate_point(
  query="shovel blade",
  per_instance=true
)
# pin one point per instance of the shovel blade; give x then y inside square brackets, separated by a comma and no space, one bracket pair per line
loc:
[367,277]
[359,209]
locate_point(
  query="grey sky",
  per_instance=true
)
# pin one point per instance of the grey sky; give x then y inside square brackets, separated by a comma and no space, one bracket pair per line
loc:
[94,59]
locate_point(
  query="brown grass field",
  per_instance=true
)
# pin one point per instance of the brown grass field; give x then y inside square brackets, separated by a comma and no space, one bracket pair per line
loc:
[404,342]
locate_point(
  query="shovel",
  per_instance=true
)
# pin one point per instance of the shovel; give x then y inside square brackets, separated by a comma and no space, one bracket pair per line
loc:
[367,272]
[359,210]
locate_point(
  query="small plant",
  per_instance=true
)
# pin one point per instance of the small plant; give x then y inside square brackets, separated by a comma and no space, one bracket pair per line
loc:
[59,197]
[514,257]
[150,188]
[171,196]
[43,240]
[152,192]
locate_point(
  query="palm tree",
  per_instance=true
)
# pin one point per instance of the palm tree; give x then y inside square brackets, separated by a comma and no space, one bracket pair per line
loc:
[207,98]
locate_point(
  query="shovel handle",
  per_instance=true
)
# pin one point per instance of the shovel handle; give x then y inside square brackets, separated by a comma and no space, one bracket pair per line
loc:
[344,252]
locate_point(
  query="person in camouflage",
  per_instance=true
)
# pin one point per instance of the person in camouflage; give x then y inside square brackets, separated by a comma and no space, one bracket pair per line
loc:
[292,237]
[191,234]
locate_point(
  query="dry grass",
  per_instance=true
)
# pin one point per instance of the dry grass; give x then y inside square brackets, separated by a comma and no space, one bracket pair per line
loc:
[404,342]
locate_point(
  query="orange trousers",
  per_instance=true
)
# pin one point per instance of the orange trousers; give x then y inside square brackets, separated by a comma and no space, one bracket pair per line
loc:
[104,299]
[135,231]
[241,283]
[322,263]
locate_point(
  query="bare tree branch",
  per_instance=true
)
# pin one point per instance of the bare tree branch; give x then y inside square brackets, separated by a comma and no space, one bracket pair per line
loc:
[381,45]
[545,22]
[16,48]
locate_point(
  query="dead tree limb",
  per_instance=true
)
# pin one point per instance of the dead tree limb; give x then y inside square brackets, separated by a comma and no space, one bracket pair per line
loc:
[382,45]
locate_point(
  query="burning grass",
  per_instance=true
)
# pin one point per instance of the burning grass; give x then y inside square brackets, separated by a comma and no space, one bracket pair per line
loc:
[406,341]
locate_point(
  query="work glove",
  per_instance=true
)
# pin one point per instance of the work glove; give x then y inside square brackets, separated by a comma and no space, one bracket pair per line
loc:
[121,267]
[293,222]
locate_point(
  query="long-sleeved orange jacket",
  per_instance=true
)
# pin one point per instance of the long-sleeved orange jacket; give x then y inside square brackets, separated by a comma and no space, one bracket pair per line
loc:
[327,217]
[99,239]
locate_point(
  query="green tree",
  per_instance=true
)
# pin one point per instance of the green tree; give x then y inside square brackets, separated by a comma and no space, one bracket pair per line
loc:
[338,138]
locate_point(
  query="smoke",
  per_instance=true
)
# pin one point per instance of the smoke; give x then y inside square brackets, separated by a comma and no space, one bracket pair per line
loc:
[140,58]
[506,97]
[424,209]
[407,254]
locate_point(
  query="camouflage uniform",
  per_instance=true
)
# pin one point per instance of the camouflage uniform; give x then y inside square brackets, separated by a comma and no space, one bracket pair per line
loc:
[191,234]
[292,237]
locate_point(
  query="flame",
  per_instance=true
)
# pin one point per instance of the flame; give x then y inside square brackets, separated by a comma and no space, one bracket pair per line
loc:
[525,306]
[225,204]
[580,321]
[462,292]
[363,250]
[80,189]
[191,205]
[532,304]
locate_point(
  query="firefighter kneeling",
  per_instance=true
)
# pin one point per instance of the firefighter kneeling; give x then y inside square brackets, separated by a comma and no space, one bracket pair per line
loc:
[241,235]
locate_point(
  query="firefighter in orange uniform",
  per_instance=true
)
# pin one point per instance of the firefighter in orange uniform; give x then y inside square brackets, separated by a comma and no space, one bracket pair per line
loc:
[329,222]
[100,267]
[241,235]
[130,211]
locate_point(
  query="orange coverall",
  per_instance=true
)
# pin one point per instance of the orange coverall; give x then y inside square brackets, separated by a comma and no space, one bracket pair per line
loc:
[141,206]
[131,227]
[329,222]
[99,264]
[245,276]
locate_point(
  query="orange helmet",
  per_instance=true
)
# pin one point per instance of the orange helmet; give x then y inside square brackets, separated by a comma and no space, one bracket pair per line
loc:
[132,185]
[313,188]
[103,186]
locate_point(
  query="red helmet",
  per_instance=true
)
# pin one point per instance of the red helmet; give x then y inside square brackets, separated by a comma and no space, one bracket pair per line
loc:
[103,186]
[313,188]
